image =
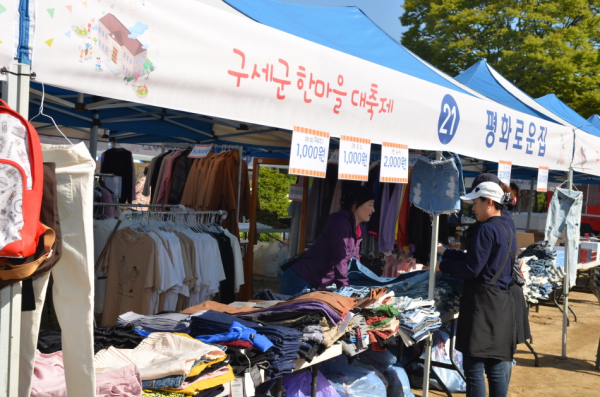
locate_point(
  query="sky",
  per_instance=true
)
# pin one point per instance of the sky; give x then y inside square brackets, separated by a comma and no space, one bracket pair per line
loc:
[384,13]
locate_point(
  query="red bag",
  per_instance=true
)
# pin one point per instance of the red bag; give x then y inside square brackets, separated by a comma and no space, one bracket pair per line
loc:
[21,185]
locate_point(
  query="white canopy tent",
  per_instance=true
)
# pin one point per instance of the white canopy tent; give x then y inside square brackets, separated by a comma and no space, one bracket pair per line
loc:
[208,59]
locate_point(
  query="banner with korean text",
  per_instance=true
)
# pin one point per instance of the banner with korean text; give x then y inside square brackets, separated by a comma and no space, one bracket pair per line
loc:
[587,153]
[190,56]
[8,31]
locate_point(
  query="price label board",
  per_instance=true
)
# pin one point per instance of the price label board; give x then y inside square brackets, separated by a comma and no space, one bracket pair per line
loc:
[542,180]
[296,192]
[355,154]
[200,151]
[394,163]
[308,154]
[504,168]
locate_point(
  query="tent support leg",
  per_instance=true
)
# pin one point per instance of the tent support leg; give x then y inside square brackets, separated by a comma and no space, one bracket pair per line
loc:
[94,135]
[435,225]
[567,282]
[16,93]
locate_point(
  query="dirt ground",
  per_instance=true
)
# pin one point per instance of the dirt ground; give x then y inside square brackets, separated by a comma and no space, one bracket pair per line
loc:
[574,376]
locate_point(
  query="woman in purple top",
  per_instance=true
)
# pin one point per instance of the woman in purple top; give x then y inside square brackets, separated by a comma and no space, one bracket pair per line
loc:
[326,262]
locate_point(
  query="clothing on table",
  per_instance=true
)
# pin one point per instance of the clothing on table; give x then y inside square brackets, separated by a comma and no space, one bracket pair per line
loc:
[435,186]
[241,333]
[73,288]
[326,262]
[160,355]
[565,211]
[164,322]
[120,336]
[119,161]
[49,379]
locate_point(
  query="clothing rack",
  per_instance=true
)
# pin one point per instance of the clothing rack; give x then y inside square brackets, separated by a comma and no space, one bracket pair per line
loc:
[129,212]
[240,149]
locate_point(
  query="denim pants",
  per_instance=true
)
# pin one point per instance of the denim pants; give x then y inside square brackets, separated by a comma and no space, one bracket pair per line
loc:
[168,382]
[73,274]
[475,367]
[435,186]
[291,283]
[565,211]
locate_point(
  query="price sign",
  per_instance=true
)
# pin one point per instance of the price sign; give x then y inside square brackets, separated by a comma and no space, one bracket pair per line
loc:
[308,154]
[542,180]
[412,159]
[296,192]
[200,151]
[355,154]
[394,163]
[504,168]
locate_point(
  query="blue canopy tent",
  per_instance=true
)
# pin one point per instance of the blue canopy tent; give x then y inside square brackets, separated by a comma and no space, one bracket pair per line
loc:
[594,120]
[558,107]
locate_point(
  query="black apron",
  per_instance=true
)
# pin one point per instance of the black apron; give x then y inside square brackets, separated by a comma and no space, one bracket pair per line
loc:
[486,326]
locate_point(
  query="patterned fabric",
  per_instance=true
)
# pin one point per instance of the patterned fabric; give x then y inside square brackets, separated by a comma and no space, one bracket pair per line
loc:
[14,156]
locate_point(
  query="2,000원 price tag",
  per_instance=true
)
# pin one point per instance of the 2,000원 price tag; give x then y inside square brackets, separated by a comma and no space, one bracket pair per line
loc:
[504,169]
[355,154]
[308,154]
[394,163]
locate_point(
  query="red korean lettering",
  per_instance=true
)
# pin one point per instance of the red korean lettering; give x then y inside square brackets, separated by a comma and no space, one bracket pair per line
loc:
[255,72]
[383,101]
[300,83]
[373,100]
[354,103]
[265,70]
[340,81]
[239,75]
[390,105]
[317,83]
[282,82]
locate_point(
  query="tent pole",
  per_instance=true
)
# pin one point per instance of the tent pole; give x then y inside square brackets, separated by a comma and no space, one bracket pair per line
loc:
[567,282]
[16,93]
[529,207]
[435,226]
[94,135]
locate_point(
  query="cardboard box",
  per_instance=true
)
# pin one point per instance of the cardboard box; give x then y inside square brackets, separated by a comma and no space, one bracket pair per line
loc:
[524,240]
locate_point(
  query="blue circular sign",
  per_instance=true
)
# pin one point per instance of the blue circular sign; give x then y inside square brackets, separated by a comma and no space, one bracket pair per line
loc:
[449,119]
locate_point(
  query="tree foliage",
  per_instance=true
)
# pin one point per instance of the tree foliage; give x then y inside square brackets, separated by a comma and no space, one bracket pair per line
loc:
[273,190]
[543,46]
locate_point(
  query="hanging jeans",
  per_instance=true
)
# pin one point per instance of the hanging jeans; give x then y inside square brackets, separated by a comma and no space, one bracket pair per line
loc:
[435,186]
[565,210]
[73,275]
[390,208]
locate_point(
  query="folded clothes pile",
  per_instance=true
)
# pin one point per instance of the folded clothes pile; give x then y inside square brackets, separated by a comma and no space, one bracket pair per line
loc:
[286,341]
[166,322]
[541,275]
[120,336]
[418,317]
[170,362]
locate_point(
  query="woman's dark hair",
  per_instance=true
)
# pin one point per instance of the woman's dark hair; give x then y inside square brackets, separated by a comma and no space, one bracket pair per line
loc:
[355,196]
[515,187]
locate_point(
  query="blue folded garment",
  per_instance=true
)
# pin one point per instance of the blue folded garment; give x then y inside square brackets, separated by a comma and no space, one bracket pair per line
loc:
[239,332]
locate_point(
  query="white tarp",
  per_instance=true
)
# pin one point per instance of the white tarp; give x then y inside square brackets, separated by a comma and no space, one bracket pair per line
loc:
[8,31]
[189,56]
[587,153]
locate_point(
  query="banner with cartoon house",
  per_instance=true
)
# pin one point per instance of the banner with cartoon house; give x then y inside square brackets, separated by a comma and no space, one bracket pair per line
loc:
[8,32]
[190,56]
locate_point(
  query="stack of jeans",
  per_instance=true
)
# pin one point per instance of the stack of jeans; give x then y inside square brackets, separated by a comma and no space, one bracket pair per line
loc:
[286,341]
[417,317]
[541,275]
